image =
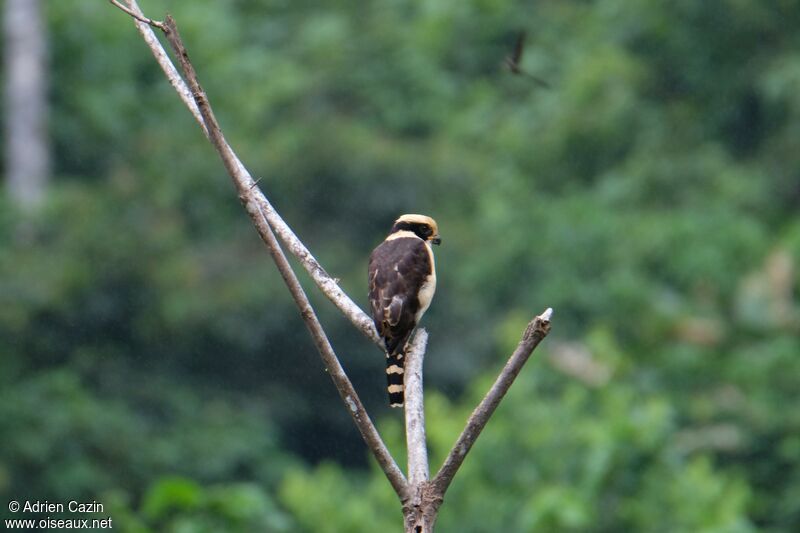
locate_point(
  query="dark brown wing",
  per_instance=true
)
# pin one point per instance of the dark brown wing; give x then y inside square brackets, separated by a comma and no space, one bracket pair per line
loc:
[397,270]
[519,48]
[539,81]
[513,62]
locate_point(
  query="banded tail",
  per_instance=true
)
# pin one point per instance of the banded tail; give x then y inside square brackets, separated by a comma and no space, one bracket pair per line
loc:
[394,378]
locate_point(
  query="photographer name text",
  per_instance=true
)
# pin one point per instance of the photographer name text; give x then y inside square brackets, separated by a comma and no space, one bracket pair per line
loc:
[71,506]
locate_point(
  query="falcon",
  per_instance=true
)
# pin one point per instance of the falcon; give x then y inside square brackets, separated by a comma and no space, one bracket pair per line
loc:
[402,280]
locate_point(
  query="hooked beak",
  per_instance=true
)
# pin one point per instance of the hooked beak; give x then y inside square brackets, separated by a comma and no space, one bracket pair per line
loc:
[436,240]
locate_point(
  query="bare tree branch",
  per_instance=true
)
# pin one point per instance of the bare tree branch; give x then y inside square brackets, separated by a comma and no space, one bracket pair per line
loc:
[421,505]
[415,409]
[337,373]
[245,184]
[537,330]
[143,24]
[328,285]
[421,497]
[136,13]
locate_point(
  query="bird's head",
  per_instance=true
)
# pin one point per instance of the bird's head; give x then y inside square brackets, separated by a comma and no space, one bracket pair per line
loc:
[423,227]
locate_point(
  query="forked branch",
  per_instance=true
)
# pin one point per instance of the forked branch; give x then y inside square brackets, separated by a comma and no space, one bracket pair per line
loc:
[137,14]
[420,496]
[253,199]
[337,373]
[195,99]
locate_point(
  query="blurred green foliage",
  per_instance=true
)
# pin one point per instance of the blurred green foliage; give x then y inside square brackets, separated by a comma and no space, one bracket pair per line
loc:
[559,457]
[150,357]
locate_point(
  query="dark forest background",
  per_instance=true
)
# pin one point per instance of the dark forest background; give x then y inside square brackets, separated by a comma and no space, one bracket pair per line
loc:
[151,358]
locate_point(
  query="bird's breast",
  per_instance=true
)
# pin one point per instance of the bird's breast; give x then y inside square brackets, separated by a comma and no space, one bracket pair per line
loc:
[428,287]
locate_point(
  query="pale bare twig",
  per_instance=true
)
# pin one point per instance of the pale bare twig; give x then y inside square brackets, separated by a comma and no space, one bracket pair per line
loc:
[137,14]
[245,186]
[332,364]
[419,515]
[143,24]
[537,330]
[420,496]
[415,409]
[248,191]
[327,284]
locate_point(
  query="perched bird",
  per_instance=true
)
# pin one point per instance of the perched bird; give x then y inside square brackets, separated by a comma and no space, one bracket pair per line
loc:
[402,280]
[513,61]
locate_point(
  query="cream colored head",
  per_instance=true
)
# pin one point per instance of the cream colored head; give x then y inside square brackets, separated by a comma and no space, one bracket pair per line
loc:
[422,226]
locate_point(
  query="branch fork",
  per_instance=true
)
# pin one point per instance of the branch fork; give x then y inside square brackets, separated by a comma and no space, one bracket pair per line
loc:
[420,496]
